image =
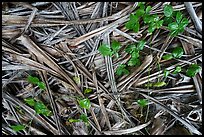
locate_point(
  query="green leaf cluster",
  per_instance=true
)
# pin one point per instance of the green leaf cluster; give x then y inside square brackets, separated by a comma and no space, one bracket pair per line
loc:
[122,70]
[107,50]
[176,53]
[134,21]
[35,80]
[175,20]
[153,21]
[134,50]
[193,70]
[39,107]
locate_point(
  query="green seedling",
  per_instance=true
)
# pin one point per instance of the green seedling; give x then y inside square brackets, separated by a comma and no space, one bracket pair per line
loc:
[39,107]
[115,45]
[176,53]
[168,10]
[166,73]
[159,84]
[76,79]
[134,50]
[153,21]
[87,90]
[74,120]
[149,85]
[30,101]
[122,70]
[156,85]
[85,103]
[193,70]
[41,85]
[35,80]
[167,57]
[142,102]
[175,20]
[17,128]
[177,70]
[82,118]
[107,50]
[134,21]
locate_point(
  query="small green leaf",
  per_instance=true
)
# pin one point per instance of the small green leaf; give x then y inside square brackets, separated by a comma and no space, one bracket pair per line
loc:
[74,120]
[30,101]
[148,85]
[173,26]
[193,70]
[116,55]
[40,108]
[167,57]
[33,80]
[155,18]
[136,27]
[168,10]
[148,9]
[159,24]
[121,69]
[152,27]
[132,21]
[148,19]
[139,12]
[85,103]
[141,44]
[84,118]
[18,127]
[177,70]
[141,5]
[177,52]
[184,22]
[167,20]
[105,50]
[142,102]
[76,79]
[115,45]
[179,17]
[130,48]
[159,84]
[174,33]
[166,73]
[135,54]
[87,90]
[41,85]
[134,62]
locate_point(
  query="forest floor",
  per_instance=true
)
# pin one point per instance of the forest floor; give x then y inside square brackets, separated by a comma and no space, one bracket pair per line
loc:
[110,68]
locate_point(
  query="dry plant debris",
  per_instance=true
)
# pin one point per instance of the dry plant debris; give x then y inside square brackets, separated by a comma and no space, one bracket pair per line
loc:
[101,68]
